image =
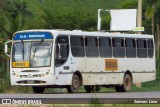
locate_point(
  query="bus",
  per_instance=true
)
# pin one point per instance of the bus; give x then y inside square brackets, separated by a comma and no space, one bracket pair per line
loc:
[70,59]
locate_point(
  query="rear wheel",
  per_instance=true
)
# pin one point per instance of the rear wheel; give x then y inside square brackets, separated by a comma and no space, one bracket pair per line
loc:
[38,89]
[92,88]
[73,88]
[127,84]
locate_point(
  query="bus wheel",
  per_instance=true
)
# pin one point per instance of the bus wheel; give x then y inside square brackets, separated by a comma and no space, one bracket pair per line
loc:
[75,85]
[127,84]
[94,88]
[38,89]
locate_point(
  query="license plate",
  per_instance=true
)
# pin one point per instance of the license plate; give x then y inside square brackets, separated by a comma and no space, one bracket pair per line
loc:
[30,82]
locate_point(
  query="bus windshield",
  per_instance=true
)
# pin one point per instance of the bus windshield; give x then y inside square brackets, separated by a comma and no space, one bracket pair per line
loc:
[33,54]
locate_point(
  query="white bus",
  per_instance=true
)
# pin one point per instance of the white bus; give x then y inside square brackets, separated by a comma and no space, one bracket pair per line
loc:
[70,59]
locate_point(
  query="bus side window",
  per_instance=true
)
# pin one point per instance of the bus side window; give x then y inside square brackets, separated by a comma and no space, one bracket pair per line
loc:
[105,47]
[62,50]
[118,47]
[91,46]
[130,47]
[150,48]
[142,48]
[77,46]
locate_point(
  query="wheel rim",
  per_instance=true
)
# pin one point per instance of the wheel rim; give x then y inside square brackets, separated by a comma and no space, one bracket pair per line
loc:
[75,84]
[127,83]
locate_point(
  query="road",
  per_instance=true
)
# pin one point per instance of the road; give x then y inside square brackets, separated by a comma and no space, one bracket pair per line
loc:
[128,97]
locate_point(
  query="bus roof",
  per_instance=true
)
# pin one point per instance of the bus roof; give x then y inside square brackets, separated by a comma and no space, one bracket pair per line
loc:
[106,34]
[89,33]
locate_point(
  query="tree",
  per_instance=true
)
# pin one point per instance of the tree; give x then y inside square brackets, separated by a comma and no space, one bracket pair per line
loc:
[13,19]
[153,13]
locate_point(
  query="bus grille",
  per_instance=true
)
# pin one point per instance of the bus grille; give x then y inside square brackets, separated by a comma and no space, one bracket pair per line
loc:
[31,82]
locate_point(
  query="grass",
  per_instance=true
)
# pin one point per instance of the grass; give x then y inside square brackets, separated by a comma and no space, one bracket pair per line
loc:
[18,89]
[148,86]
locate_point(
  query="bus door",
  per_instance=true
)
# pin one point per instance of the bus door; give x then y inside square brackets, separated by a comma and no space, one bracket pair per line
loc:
[62,54]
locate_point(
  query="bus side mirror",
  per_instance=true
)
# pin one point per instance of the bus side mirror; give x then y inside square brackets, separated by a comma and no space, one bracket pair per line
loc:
[6,48]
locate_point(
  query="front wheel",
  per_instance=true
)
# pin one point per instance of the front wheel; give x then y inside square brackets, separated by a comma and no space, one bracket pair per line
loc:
[38,89]
[73,88]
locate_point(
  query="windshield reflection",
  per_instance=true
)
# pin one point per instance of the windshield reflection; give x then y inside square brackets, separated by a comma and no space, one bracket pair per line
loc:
[38,54]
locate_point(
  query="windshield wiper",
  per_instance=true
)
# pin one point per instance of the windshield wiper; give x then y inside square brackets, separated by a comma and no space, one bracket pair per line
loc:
[37,47]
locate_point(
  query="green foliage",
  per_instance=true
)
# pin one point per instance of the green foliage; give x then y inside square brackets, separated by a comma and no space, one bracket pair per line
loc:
[105,20]
[68,14]
[158,69]
[130,4]
[149,13]
[3,65]
[70,20]
[13,17]
[4,81]
[64,14]
[95,101]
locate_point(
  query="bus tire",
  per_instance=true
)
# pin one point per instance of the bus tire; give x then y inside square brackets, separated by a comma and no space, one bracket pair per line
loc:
[73,88]
[94,88]
[127,84]
[38,89]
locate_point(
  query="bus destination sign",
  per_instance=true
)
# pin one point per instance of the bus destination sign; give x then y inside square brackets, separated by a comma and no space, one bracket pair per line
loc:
[32,35]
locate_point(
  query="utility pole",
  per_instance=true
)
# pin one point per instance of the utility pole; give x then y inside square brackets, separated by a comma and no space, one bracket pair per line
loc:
[139,24]
[99,20]
[139,19]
